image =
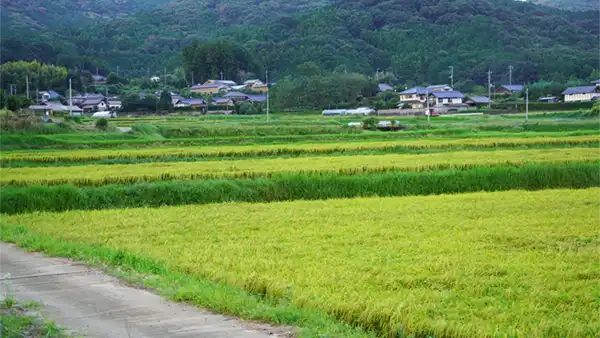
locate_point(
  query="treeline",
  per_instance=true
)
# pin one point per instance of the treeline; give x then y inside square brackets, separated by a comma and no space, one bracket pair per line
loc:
[216,59]
[312,89]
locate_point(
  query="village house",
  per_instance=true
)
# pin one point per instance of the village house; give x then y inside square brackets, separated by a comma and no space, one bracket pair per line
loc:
[49,108]
[99,79]
[478,101]
[114,103]
[446,98]
[236,96]
[510,89]
[222,101]
[415,97]
[227,83]
[49,95]
[581,94]
[211,88]
[260,87]
[250,83]
[384,87]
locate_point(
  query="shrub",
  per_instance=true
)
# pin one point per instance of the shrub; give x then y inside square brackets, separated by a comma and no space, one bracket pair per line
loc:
[102,124]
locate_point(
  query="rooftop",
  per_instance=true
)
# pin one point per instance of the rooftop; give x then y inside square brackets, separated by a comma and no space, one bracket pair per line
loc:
[208,85]
[580,90]
[235,94]
[441,86]
[480,99]
[414,90]
[384,87]
[513,88]
[448,94]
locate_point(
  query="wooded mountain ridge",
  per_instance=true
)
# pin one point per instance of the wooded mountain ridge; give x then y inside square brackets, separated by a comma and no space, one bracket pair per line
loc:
[417,40]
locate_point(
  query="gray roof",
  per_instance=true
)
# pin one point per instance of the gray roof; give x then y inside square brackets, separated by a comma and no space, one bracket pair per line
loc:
[580,90]
[384,87]
[448,94]
[437,86]
[414,90]
[210,85]
[39,107]
[513,88]
[257,98]
[596,82]
[235,94]
[480,99]
[193,101]
[92,102]
[221,100]
[98,77]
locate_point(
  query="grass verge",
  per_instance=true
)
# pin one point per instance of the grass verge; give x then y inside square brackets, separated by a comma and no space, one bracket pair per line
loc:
[300,186]
[156,275]
[16,321]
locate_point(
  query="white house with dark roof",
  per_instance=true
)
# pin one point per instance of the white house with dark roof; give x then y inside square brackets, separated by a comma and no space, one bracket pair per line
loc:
[446,98]
[581,94]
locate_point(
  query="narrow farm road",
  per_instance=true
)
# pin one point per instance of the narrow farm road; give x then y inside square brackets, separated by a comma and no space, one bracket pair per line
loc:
[89,303]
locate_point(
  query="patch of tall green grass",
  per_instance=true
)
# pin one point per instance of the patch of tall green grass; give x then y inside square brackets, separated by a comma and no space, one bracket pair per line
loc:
[299,187]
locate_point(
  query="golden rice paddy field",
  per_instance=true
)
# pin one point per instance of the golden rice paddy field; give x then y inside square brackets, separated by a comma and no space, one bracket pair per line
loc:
[105,174]
[501,264]
[314,148]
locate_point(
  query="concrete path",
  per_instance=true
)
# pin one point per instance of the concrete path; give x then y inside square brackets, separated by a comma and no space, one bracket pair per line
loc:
[89,303]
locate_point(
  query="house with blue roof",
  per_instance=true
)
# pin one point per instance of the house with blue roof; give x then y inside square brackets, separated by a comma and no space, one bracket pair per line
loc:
[442,87]
[441,98]
[415,97]
[581,94]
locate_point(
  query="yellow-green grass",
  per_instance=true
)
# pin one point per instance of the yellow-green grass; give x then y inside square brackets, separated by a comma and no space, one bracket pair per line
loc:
[307,148]
[130,173]
[518,264]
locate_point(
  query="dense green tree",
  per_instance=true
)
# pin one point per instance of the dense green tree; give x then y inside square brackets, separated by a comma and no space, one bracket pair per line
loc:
[216,59]
[17,102]
[165,101]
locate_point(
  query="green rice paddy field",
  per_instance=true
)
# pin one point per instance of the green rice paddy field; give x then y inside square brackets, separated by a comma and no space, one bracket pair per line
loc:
[480,226]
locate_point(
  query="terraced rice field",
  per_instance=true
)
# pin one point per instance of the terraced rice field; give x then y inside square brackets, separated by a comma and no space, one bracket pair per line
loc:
[365,235]
[457,265]
[295,149]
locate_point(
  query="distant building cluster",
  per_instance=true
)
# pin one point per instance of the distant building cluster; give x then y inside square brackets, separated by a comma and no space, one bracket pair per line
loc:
[229,92]
[437,96]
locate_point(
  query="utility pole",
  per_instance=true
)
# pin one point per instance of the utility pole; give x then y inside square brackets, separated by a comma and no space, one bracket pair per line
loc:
[427,112]
[490,88]
[510,70]
[70,98]
[451,76]
[27,85]
[165,77]
[222,76]
[117,71]
[526,104]
[193,83]
[267,80]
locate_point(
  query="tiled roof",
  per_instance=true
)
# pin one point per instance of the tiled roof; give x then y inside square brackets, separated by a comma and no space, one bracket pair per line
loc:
[480,99]
[415,90]
[448,94]
[383,87]
[580,90]
[513,88]
[437,86]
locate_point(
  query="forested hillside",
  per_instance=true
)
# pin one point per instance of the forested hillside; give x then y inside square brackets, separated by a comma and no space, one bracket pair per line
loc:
[415,39]
[20,16]
[572,5]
